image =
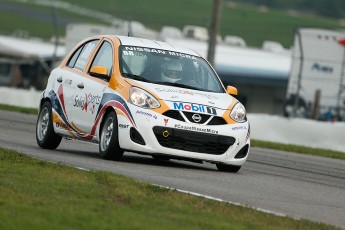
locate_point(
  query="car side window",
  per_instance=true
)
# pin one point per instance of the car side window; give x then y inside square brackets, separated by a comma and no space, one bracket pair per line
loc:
[74,57]
[104,57]
[81,55]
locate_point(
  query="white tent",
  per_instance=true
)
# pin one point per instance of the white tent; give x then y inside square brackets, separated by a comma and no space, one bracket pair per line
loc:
[29,48]
[27,62]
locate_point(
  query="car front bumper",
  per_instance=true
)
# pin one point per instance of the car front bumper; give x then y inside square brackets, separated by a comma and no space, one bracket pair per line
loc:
[228,144]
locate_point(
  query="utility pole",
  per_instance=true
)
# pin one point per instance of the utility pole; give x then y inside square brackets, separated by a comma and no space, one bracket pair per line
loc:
[56,31]
[213,30]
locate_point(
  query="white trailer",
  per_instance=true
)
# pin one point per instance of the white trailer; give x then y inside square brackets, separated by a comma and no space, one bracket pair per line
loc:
[316,83]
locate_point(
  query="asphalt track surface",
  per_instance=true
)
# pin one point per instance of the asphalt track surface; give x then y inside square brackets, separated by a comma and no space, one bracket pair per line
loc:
[296,185]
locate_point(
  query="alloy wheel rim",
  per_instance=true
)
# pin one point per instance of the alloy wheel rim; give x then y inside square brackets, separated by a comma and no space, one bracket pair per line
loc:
[107,133]
[43,123]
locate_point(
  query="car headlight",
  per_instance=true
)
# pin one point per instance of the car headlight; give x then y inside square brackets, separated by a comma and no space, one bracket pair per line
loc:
[238,113]
[142,98]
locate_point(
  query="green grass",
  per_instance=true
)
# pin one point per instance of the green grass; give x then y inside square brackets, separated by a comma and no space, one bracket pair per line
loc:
[298,149]
[41,28]
[35,194]
[36,26]
[243,20]
[18,109]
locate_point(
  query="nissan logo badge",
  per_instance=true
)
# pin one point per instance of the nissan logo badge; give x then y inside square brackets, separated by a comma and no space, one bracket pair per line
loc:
[196,117]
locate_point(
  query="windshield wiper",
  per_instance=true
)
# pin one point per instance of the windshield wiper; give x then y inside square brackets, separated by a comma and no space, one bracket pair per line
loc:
[135,77]
[178,85]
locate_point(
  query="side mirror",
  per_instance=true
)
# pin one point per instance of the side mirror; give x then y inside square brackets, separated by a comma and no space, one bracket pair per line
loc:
[99,71]
[231,90]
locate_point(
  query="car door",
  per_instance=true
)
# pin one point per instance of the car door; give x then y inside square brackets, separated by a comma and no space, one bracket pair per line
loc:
[90,90]
[67,86]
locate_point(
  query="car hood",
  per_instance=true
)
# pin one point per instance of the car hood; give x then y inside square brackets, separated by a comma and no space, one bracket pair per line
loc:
[178,94]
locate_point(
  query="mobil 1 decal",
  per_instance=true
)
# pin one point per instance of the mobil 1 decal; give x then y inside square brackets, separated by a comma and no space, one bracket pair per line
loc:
[196,108]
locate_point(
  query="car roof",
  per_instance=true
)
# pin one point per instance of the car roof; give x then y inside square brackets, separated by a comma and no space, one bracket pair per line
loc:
[133,41]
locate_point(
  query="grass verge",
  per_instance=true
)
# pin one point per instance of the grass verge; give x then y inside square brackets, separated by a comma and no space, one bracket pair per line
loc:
[35,194]
[18,109]
[298,149]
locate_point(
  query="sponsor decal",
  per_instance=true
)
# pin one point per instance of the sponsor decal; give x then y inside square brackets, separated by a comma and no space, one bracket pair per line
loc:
[61,125]
[197,129]
[108,99]
[185,92]
[194,108]
[248,134]
[239,128]
[123,126]
[146,114]
[92,109]
[196,117]
[166,121]
[84,101]
[129,51]
[119,86]
[322,68]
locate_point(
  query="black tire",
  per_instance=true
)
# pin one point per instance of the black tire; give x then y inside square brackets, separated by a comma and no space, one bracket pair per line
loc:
[45,136]
[228,168]
[109,147]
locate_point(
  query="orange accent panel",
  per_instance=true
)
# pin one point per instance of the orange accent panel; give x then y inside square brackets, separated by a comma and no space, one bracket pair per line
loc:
[116,77]
[161,109]
[56,119]
[75,127]
[226,115]
[119,112]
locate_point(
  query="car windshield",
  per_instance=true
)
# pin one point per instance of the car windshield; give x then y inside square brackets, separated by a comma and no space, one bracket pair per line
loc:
[168,68]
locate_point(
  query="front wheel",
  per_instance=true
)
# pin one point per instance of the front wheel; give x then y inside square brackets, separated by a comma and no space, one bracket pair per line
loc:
[109,147]
[45,136]
[228,168]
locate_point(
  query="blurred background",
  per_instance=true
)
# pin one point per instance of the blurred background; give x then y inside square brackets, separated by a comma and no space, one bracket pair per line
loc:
[286,58]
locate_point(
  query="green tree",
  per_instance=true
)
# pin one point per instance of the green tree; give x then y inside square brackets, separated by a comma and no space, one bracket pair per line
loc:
[329,8]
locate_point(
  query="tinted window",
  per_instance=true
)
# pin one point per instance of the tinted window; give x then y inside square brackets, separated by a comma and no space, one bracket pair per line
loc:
[104,57]
[74,57]
[82,55]
[168,68]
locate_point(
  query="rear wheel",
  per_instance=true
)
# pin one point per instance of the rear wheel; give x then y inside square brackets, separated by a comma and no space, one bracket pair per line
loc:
[45,136]
[109,147]
[228,168]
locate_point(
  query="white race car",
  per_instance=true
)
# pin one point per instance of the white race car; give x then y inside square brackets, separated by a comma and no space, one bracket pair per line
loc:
[144,96]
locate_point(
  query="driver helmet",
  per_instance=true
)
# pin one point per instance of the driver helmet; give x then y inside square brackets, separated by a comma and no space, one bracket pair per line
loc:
[171,71]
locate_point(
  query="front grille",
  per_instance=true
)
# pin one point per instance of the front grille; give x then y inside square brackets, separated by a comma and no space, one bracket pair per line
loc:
[217,121]
[193,141]
[204,117]
[174,114]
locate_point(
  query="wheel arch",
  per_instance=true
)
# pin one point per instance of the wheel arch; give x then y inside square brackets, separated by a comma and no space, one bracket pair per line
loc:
[106,112]
[43,100]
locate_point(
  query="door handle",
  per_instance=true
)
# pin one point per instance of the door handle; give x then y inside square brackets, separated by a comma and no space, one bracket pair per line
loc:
[80,86]
[59,79]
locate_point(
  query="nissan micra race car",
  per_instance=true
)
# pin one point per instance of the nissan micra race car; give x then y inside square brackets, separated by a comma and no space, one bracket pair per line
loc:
[143,96]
